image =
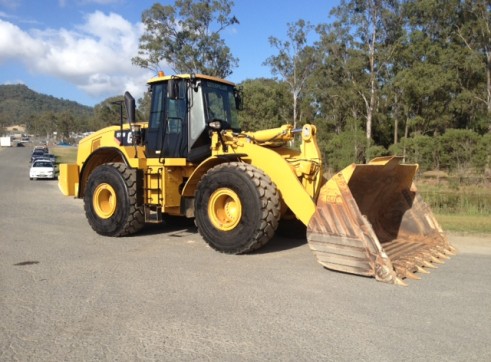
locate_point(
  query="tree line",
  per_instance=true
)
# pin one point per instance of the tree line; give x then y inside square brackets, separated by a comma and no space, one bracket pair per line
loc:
[407,77]
[411,77]
[394,77]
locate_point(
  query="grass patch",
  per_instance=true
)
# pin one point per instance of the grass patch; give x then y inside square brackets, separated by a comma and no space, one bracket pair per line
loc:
[465,223]
[461,200]
[65,154]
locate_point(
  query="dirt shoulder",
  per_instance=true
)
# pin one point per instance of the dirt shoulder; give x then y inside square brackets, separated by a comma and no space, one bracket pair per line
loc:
[471,243]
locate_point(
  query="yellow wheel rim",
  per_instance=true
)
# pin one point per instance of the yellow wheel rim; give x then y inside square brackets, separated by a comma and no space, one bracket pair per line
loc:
[104,201]
[224,209]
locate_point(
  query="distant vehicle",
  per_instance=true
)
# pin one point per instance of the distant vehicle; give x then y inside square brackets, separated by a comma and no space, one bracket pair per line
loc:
[6,141]
[20,144]
[42,169]
[36,154]
[42,148]
[50,156]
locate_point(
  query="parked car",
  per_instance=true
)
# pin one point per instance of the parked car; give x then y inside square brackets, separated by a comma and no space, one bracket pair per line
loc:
[36,154]
[49,156]
[43,148]
[42,169]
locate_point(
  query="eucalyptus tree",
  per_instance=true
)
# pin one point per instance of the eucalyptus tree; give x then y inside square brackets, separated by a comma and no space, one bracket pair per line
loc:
[373,28]
[295,61]
[474,31]
[45,124]
[107,113]
[144,104]
[66,124]
[187,37]
[334,86]
[438,76]
[266,103]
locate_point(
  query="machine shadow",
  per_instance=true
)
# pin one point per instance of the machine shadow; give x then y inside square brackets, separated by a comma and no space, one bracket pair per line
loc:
[289,235]
[172,225]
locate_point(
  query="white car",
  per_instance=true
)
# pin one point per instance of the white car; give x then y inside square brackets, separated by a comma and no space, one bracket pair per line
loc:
[42,169]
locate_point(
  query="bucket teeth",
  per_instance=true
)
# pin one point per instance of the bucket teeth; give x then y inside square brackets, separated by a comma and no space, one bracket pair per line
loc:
[425,263]
[429,265]
[428,255]
[449,250]
[436,260]
[412,275]
[399,281]
[422,270]
[446,250]
[442,255]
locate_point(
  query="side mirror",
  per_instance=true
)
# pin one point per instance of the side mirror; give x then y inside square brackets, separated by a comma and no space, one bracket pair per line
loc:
[216,125]
[238,99]
[173,89]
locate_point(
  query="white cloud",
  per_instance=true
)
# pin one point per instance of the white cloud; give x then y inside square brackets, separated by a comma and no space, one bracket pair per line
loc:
[16,44]
[94,56]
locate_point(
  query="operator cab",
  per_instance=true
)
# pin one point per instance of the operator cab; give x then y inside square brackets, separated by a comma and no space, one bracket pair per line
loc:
[181,108]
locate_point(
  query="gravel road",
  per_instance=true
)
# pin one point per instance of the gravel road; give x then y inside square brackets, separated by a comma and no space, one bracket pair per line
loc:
[68,294]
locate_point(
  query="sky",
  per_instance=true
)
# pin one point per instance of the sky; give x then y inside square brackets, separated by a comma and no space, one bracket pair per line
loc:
[81,50]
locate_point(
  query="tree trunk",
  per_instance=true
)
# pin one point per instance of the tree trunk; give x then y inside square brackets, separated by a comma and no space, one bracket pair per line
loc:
[294,110]
[488,77]
[406,132]
[396,119]
[371,105]
[396,126]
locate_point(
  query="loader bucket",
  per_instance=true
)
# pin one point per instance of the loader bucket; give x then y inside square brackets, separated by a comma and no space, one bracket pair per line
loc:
[371,221]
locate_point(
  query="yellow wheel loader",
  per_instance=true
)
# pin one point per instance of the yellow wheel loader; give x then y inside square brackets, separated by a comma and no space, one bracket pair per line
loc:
[192,159]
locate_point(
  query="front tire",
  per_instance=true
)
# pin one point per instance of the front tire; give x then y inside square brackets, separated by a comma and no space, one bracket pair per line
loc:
[111,202]
[237,208]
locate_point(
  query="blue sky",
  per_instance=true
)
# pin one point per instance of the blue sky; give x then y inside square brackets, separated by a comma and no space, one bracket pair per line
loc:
[81,50]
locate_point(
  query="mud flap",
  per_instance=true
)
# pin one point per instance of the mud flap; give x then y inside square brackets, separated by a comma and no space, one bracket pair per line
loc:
[371,221]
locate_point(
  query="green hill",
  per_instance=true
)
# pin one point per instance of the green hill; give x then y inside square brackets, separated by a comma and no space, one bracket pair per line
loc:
[21,105]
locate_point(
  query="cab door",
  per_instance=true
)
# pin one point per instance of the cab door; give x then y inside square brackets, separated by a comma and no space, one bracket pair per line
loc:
[167,132]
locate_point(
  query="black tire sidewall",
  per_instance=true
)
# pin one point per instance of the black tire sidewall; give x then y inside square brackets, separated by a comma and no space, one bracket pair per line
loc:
[233,241]
[113,225]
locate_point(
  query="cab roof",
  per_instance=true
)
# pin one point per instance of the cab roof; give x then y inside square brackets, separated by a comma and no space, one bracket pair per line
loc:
[162,77]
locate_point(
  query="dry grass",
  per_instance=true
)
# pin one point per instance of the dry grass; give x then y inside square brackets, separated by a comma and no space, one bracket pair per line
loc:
[480,224]
[65,154]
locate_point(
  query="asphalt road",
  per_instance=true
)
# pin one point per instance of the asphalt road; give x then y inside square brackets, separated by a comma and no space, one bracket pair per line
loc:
[68,294]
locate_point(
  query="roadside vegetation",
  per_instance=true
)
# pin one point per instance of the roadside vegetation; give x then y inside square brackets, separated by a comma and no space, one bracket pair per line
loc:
[459,207]
[65,154]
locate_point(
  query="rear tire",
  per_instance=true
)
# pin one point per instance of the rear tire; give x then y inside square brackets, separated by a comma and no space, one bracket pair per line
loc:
[110,201]
[237,208]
